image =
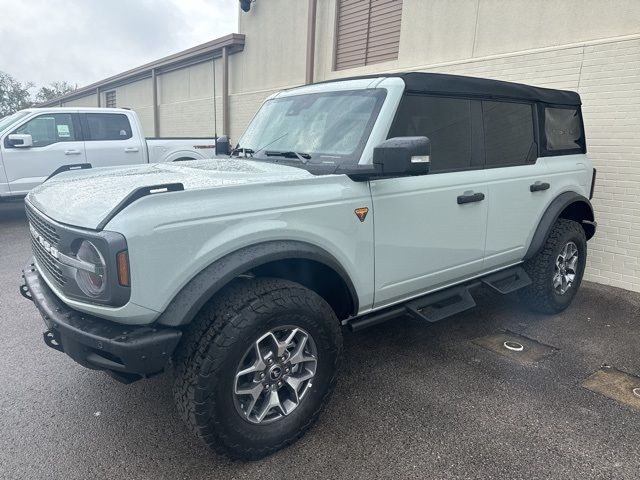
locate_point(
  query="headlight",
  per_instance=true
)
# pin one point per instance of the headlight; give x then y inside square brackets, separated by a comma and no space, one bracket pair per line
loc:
[92,283]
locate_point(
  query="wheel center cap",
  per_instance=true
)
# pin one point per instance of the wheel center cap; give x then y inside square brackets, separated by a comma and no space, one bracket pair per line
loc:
[275,372]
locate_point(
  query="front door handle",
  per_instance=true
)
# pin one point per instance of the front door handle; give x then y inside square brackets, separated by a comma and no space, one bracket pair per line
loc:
[539,186]
[470,198]
[72,152]
[131,149]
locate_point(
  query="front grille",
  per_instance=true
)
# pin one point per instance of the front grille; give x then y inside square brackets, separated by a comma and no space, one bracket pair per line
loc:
[44,228]
[42,247]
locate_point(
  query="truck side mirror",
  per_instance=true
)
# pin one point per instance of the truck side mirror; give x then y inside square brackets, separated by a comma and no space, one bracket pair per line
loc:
[222,145]
[402,156]
[20,140]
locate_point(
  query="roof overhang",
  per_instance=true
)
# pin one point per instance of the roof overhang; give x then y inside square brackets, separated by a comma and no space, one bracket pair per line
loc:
[233,42]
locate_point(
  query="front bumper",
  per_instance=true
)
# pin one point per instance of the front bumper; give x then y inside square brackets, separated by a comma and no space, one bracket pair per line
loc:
[127,352]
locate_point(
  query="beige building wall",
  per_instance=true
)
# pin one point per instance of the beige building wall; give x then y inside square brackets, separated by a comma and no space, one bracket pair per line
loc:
[186,104]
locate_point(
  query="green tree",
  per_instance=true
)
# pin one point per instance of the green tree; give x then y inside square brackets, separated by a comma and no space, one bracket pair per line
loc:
[53,90]
[14,95]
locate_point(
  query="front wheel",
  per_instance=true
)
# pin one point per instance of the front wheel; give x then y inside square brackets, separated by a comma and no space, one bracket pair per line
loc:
[257,366]
[556,271]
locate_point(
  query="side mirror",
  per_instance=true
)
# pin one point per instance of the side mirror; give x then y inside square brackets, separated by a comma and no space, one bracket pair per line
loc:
[222,145]
[402,156]
[20,140]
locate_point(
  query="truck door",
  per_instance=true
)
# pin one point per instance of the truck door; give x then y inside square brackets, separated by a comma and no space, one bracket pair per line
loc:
[57,141]
[430,230]
[111,140]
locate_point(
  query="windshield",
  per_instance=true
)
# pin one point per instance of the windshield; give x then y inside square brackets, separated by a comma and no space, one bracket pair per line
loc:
[328,127]
[6,121]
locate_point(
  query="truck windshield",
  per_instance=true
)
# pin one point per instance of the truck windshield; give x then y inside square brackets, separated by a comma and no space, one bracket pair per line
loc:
[8,120]
[327,128]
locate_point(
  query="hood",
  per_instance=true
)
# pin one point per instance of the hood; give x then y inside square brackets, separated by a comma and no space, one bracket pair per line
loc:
[83,198]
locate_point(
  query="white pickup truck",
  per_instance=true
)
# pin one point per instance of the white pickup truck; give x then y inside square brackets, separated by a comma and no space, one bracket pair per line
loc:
[36,142]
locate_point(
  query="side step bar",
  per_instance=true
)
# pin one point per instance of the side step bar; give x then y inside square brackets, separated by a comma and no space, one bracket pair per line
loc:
[437,306]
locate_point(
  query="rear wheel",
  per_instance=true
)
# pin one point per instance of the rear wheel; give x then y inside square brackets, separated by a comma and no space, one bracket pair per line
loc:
[556,271]
[257,366]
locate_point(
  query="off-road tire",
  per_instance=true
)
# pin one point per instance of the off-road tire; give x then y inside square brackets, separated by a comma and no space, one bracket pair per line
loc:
[540,296]
[212,347]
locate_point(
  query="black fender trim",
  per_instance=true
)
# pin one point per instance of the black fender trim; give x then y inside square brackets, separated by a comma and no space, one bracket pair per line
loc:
[557,206]
[195,294]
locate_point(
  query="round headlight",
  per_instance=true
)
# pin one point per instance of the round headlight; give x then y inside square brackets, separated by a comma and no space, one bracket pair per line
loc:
[93,283]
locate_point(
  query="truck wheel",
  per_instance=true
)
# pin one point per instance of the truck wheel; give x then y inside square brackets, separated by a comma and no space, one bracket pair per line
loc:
[256,367]
[556,271]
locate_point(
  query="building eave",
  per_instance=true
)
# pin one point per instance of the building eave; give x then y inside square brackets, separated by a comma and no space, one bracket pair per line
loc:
[233,43]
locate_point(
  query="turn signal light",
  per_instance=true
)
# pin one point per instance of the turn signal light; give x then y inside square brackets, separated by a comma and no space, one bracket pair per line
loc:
[123,269]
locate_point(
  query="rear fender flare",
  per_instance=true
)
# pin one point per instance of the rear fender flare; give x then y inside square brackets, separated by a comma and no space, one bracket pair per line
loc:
[553,212]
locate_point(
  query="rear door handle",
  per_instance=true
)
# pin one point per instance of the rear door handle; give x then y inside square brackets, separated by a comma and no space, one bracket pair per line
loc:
[470,198]
[539,186]
[72,152]
[131,149]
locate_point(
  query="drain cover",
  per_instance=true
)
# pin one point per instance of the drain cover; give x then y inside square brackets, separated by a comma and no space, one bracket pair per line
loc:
[513,346]
[617,385]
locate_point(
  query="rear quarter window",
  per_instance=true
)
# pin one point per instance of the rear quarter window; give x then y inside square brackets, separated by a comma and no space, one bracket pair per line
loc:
[563,131]
[108,126]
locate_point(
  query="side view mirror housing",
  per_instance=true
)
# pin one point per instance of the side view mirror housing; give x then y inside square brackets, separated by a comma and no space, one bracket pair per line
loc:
[403,156]
[20,140]
[223,145]
[395,157]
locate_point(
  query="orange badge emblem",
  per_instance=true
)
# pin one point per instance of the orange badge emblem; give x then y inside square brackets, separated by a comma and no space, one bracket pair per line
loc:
[361,213]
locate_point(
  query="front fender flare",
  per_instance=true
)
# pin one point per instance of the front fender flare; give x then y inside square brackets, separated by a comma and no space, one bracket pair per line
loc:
[553,212]
[194,295]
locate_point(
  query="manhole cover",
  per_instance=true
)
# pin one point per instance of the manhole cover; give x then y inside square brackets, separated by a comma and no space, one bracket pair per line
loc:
[513,346]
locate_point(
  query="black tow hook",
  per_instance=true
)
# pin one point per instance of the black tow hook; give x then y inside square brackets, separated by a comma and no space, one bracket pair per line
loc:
[51,339]
[24,291]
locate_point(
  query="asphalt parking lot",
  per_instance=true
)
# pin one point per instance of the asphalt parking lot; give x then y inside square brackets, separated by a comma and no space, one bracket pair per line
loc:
[413,401]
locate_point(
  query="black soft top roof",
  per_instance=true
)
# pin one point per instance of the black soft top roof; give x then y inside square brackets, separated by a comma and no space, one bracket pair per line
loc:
[439,83]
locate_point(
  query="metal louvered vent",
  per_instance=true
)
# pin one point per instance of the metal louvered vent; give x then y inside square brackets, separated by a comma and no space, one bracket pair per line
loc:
[368,31]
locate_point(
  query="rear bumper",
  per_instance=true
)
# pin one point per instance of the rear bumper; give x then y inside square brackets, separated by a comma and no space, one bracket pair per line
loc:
[127,352]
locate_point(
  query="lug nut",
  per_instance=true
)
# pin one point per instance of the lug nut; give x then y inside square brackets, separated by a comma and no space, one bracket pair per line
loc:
[266,386]
[270,361]
[286,370]
[279,384]
[262,375]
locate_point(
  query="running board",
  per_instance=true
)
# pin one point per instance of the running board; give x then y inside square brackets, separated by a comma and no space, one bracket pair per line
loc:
[508,281]
[437,306]
[440,305]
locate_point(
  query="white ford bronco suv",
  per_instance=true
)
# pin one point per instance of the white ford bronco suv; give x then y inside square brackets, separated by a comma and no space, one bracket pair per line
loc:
[346,203]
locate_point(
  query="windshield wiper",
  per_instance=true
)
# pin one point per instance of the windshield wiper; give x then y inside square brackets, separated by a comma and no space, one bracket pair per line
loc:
[241,151]
[303,157]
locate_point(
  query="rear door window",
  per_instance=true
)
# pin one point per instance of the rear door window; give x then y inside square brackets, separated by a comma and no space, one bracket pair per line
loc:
[50,128]
[509,134]
[108,126]
[563,130]
[447,122]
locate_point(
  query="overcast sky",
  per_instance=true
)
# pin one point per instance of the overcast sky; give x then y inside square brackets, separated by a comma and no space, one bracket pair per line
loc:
[83,41]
